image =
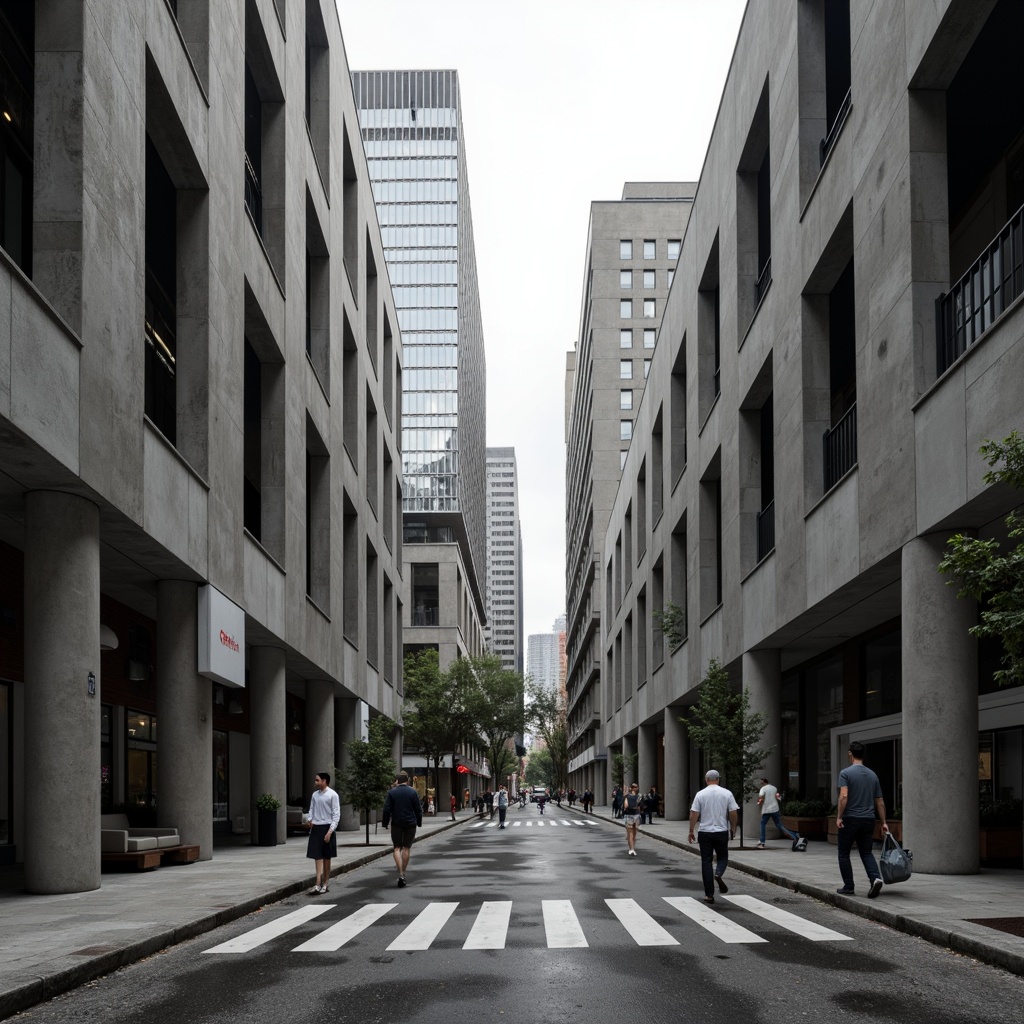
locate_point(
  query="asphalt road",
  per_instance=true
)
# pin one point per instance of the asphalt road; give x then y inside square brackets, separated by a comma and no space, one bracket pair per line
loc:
[517,925]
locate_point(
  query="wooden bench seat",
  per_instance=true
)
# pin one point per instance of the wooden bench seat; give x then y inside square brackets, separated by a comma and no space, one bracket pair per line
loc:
[145,859]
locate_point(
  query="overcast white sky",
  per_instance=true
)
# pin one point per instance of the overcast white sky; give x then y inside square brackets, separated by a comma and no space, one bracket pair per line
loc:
[562,102]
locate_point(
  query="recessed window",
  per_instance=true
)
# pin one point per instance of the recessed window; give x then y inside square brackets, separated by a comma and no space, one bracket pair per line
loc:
[649,311]
[649,279]
[647,368]
[674,245]
[626,398]
[671,277]
[625,308]
[625,369]
[650,248]
[625,278]
[625,249]
[626,338]
[649,335]
[625,430]
[622,458]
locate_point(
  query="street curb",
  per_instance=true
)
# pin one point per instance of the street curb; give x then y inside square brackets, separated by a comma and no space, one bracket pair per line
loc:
[39,990]
[1005,959]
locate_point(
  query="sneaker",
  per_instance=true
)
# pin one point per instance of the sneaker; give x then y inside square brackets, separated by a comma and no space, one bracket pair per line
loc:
[632,853]
[876,888]
[845,892]
[315,891]
[709,899]
[722,887]
[401,881]
[760,846]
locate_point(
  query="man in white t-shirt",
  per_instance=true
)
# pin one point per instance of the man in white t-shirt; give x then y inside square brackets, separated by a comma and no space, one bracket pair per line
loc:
[768,800]
[715,809]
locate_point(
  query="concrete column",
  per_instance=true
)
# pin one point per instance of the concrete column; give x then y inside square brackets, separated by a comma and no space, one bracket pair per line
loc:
[62,719]
[628,750]
[268,771]
[184,715]
[678,795]
[319,755]
[940,716]
[647,762]
[346,729]
[762,677]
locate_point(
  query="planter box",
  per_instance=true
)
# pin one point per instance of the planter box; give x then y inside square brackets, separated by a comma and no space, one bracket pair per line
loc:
[1001,843]
[812,828]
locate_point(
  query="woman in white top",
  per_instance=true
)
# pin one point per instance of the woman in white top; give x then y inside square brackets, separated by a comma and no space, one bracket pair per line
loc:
[324,815]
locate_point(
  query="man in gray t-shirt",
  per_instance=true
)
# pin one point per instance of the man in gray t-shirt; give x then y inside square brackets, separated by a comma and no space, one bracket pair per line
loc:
[860,796]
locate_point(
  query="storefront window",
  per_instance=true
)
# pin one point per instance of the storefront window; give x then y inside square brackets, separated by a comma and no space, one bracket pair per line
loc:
[220,775]
[824,711]
[1001,765]
[883,687]
[5,764]
[141,773]
[789,740]
[106,759]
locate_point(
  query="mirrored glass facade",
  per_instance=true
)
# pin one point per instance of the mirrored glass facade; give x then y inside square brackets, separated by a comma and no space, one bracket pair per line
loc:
[411,126]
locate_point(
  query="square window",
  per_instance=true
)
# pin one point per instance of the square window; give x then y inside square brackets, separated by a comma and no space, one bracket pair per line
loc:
[650,248]
[625,369]
[625,430]
[622,458]
[649,336]
[626,398]
[674,245]
[649,308]
[625,338]
[625,308]
[625,249]
[647,368]
[649,279]
[625,278]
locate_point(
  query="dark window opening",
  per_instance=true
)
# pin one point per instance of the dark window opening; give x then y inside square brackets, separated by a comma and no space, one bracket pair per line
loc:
[764,225]
[837,70]
[252,456]
[840,440]
[17,68]
[253,150]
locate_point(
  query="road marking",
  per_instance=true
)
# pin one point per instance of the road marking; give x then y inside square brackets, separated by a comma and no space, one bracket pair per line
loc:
[479,824]
[564,822]
[491,926]
[516,824]
[264,933]
[529,823]
[644,929]
[784,919]
[721,927]
[338,934]
[561,925]
[422,932]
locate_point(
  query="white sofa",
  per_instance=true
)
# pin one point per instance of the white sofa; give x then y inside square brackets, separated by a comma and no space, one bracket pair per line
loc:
[116,836]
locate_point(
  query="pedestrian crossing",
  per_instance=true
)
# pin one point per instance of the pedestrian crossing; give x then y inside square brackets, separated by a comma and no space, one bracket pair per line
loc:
[562,927]
[564,823]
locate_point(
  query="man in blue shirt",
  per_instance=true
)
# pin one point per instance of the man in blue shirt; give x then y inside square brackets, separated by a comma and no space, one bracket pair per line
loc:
[860,796]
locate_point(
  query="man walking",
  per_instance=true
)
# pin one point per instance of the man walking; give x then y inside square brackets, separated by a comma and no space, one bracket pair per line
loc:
[860,796]
[715,808]
[768,800]
[324,815]
[501,799]
[404,812]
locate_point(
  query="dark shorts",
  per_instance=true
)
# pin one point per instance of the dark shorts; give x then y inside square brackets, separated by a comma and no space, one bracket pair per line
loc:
[316,848]
[403,835]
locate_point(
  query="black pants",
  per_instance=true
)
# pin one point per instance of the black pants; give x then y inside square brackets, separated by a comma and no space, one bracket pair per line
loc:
[712,844]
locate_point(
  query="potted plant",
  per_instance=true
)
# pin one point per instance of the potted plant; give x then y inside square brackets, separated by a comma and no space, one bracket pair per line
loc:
[1000,831]
[808,817]
[267,806]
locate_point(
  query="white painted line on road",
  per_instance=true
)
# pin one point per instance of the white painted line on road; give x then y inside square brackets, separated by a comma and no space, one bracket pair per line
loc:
[492,824]
[784,919]
[266,932]
[422,932]
[516,824]
[529,823]
[562,926]
[338,934]
[721,927]
[491,926]
[644,929]
[479,824]
[564,822]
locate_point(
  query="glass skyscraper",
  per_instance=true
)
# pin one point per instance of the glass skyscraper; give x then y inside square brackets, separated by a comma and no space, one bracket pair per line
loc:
[411,126]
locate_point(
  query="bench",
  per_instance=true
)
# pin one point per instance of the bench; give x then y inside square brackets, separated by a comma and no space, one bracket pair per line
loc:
[143,847]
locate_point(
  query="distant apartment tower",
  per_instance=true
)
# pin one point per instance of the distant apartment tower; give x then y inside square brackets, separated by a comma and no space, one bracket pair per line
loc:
[411,125]
[504,588]
[632,248]
[545,657]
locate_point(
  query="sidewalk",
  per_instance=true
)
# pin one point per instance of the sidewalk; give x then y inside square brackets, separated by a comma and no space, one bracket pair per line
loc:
[943,909]
[50,944]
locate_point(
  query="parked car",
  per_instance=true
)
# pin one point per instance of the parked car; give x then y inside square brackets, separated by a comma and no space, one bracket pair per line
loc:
[537,792]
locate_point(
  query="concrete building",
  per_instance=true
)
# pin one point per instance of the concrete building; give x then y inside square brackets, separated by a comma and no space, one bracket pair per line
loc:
[412,133]
[844,331]
[504,582]
[199,416]
[632,247]
[545,657]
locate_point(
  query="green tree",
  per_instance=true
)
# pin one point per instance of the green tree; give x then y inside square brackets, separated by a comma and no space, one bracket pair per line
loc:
[994,579]
[729,733]
[496,707]
[671,620]
[623,766]
[539,771]
[370,770]
[546,716]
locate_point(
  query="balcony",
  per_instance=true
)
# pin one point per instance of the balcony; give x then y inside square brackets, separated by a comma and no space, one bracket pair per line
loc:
[766,531]
[839,448]
[975,302]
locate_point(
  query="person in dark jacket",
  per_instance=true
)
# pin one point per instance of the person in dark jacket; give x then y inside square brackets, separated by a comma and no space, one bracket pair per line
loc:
[404,813]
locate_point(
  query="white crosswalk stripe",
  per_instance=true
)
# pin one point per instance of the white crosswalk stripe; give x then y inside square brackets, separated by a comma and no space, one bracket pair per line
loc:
[562,928]
[784,919]
[531,823]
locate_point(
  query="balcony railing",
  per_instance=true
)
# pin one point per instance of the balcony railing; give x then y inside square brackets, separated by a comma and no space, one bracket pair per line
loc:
[971,306]
[839,445]
[826,144]
[766,530]
[764,279]
[253,196]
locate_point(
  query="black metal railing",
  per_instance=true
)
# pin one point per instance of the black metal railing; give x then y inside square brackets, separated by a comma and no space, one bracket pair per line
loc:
[253,195]
[839,448]
[826,144]
[764,279]
[766,530]
[972,305]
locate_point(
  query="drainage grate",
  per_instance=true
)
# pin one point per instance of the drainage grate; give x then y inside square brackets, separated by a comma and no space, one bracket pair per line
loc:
[94,950]
[1013,925]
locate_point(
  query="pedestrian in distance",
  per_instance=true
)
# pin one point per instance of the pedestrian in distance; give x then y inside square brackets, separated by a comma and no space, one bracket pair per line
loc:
[404,813]
[860,797]
[541,800]
[572,797]
[769,799]
[713,816]
[324,815]
[453,801]
[617,802]
[588,802]
[501,799]
[651,804]
[489,801]
[632,810]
